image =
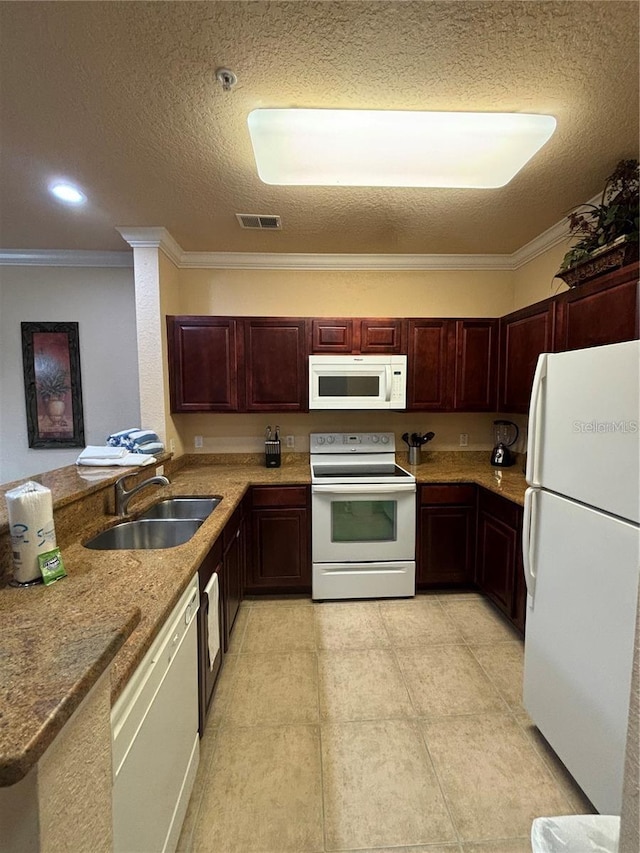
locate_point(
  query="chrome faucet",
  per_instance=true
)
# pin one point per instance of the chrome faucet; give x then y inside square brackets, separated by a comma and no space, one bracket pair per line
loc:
[123,496]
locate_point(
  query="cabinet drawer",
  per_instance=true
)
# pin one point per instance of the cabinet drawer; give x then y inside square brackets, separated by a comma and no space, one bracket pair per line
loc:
[279,496]
[501,508]
[449,494]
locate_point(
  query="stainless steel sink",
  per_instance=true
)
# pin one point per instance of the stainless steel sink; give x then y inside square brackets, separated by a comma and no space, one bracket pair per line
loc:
[145,533]
[183,507]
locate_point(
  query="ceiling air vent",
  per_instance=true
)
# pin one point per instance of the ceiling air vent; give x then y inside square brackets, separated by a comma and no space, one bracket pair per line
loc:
[257,220]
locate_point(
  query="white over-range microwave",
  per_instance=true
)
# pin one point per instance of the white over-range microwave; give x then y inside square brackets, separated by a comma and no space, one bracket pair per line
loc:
[357,381]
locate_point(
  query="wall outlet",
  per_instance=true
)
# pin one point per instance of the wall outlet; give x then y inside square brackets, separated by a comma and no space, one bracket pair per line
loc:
[197,441]
[464,439]
[172,445]
[290,441]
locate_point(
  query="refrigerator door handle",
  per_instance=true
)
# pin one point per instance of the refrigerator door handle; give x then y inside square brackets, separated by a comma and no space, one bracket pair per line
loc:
[528,537]
[535,421]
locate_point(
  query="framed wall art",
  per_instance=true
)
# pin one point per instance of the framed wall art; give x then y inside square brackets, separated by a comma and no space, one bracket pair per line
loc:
[53,391]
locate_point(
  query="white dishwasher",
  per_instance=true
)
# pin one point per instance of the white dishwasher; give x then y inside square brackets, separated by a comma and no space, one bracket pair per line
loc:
[154,725]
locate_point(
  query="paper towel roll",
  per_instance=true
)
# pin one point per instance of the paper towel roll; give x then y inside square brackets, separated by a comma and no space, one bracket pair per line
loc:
[30,510]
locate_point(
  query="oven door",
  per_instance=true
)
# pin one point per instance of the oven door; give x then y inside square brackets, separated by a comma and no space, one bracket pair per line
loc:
[356,522]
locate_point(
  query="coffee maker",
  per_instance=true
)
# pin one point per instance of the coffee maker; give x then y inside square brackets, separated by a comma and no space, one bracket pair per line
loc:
[505,435]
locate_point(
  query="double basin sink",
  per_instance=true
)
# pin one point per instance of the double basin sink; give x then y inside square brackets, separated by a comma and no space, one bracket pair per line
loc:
[168,523]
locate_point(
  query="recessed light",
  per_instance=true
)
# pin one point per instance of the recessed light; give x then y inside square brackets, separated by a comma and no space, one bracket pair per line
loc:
[67,193]
[394,148]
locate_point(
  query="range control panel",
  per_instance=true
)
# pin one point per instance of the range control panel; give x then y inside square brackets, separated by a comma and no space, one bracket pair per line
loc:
[352,442]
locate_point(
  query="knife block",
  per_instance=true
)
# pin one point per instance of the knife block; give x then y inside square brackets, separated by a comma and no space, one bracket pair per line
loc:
[272,457]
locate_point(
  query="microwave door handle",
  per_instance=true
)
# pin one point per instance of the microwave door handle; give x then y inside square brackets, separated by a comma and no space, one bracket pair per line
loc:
[387,370]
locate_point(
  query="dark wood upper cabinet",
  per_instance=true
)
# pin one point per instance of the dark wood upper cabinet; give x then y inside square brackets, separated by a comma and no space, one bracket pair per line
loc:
[476,365]
[602,311]
[275,365]
[331,335]
[357,335]
[428,365]
[378,335]
[523,336]
[203,364]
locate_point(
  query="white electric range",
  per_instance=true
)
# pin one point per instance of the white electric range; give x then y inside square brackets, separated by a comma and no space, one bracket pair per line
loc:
[363,511]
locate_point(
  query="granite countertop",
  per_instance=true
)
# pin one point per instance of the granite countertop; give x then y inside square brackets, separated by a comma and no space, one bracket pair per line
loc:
[57,640]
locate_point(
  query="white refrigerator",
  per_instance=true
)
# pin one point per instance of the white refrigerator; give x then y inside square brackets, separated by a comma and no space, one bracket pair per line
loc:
[581,551]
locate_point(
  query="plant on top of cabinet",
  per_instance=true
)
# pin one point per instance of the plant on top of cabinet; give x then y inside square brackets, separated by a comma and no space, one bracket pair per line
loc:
[608,231]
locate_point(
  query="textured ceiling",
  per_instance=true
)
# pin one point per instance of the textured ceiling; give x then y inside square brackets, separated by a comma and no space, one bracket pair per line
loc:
[122,98]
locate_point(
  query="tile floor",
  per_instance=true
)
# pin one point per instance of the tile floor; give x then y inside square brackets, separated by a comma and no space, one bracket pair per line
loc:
[373,726]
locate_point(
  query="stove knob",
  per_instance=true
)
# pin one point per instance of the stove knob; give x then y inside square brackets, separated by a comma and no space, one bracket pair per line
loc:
[320,439]
[385,439]
[331,439]
[375,439]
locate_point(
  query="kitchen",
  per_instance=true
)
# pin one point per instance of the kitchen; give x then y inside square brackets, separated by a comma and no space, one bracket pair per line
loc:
[174,281]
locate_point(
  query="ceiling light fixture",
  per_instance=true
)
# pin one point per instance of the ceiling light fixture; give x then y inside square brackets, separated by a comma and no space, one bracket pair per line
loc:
[67,193]
[381,148]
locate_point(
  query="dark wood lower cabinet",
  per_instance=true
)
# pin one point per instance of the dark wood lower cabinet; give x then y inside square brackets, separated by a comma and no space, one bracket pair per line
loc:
[207,675]
[446,535]
[233,561]
[499,562]
[280,553]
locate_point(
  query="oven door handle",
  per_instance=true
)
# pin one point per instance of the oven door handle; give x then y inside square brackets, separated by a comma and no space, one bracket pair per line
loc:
[364,489]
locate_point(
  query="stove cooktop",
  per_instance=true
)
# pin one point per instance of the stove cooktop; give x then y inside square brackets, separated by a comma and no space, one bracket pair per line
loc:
[355,458]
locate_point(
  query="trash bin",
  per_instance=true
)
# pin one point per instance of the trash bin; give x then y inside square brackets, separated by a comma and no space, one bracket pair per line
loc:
[575,834]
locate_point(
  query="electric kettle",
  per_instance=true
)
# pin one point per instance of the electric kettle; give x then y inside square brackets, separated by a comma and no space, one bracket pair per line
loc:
[505,435]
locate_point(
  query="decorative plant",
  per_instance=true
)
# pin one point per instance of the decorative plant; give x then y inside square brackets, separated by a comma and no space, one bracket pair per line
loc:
[616,216]
[52,381]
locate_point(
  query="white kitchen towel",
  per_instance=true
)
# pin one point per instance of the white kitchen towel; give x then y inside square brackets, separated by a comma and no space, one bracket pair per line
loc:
[129,459]
[212,591]
[30,511]
[96,452]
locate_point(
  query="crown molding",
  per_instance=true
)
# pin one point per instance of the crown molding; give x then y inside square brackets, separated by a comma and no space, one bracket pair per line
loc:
[64,258]
[294,261]
[549,238]
[160,238]
[153,238]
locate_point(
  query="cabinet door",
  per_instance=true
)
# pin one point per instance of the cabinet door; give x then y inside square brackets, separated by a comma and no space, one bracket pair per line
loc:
[378,335]
[207,676]
[280,539]
[275,365]
[203,364]
[523,336]
[603,311]
[428,359]
[331,335]
[280,553]
[496,560]
[233,572]
[446,545]
[476,380]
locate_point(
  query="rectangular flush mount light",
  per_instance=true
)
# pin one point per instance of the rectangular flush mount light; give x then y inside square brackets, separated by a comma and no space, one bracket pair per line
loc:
[381,148]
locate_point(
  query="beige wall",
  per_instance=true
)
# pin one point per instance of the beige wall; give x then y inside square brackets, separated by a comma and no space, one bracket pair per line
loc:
[535,280]
[347,293]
